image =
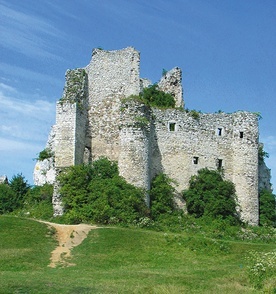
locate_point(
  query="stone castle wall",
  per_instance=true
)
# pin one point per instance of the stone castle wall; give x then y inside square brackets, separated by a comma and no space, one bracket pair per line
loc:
[135,145]
[71,120]
[96,117]
[112,75]
[186,144]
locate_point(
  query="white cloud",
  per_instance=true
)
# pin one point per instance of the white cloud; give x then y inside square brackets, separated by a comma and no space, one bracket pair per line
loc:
[22,73]
[26,33]
[7,88]
[24,129]
[24,119]
[10,146]
[38,109]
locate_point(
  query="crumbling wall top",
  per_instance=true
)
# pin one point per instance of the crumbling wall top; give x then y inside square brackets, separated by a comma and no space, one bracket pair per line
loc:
[171,82]
[113,74]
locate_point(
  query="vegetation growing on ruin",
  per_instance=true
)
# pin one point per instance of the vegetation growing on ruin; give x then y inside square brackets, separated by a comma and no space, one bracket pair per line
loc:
[45,154]
[74,89]
[193,113]
[262,154]
[141,121]
[154,97]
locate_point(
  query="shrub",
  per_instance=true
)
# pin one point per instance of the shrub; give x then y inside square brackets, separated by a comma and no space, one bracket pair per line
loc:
[39,193]
[195,114]
[210,195]
[161,196]
[38,203]
[97,193]
[157,98]
[267,208]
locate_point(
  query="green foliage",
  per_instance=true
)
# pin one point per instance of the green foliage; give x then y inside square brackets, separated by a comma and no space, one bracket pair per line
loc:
[210,195]
[7,199]
[154,97]
[97,193]
[38,203]
[19,185]
[262,267]
[194,113]
[45,154]
[74,89]
[12,195]
[161,196]
[267,208]
[262,154]
[141,121]
[40,193]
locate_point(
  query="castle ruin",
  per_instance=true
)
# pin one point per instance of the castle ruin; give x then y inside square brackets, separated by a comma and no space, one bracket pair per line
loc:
[97,116]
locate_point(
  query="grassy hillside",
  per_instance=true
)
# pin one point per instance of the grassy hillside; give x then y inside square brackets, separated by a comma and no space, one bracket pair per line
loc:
[125,260]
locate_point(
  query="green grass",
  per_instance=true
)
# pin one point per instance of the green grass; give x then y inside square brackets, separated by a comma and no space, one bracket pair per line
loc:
[124,260]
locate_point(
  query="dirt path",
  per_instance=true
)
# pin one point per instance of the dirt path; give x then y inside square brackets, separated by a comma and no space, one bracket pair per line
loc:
[68,236]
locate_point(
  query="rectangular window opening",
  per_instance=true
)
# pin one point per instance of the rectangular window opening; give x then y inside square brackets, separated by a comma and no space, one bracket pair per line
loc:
[241,135]
[219,163]
[172,126]
[219,131]
[195,160]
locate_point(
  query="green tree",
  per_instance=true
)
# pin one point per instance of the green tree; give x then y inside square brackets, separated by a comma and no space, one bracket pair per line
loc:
[20,187]
[12,195]
[210,195]
[7,199]
[161,196]
[267,208]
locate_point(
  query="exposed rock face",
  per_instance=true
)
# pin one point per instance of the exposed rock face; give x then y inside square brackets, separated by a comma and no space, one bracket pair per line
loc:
[4,180]
[96,118]
[44,172]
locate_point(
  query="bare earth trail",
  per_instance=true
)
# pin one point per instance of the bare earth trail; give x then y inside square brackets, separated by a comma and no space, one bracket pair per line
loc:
[68,236]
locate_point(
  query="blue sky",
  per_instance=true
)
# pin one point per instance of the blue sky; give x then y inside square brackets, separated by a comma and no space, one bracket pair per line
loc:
[225,48]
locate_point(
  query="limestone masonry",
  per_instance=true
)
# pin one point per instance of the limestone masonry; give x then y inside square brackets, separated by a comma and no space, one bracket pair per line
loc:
[95,117]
